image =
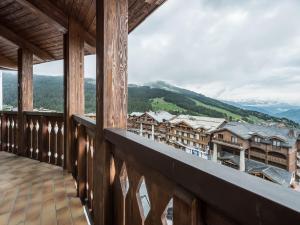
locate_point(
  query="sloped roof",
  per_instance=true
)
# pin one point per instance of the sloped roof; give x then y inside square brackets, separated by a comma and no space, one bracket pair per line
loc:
[136,114]
[208,123]
[275,174]
[160,116]
[246,131]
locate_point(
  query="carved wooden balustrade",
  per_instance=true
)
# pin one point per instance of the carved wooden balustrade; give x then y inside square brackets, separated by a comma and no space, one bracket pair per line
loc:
[83,150]
[43,136]
[9,131]
[151,183]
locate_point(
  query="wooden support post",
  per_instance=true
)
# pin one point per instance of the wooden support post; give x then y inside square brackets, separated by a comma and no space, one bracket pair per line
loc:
[73,84]
[111,96]
[25,94]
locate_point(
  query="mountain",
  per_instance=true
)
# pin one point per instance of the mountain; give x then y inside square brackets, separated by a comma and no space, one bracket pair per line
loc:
[271,108]
[293,114]
[48,93]
[162,96]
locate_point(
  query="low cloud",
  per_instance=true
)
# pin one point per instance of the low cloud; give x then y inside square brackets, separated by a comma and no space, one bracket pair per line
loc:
[231,50]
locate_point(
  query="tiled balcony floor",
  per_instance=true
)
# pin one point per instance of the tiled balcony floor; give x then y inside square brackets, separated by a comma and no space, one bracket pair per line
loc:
[37,193]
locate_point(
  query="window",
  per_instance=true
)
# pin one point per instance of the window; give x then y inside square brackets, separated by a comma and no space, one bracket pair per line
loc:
[257,139]
[234,139]
[220,136]
[276,143]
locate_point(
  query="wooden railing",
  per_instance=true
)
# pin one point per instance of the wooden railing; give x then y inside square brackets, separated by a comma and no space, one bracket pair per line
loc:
[258,155]
[152,182]
[44,136]
[9,131]
[228,142]
[83,150]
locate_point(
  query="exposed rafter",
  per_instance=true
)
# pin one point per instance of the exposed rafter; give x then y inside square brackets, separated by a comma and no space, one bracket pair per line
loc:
[22,43]
[55,17]
[6,63]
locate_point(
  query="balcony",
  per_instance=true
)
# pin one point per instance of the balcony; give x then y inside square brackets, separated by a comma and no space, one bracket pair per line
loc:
[277,160]
[130,165]
[258,155]
[119,178]
[227,142]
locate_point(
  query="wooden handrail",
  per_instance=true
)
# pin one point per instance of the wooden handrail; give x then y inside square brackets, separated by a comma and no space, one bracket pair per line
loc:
[85,121]
[9,112]
[37,113]
[239,196]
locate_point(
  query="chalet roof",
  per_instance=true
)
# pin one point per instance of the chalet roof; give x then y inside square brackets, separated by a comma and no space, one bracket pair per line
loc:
[208,123]
[160,116]
[275,174]
[246,131]
[136,114]
[39,25]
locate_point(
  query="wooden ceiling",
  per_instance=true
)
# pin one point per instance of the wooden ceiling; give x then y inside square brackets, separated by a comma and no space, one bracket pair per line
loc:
[40,24]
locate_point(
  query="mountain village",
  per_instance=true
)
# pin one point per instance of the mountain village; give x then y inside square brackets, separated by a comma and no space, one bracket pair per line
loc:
[269,152]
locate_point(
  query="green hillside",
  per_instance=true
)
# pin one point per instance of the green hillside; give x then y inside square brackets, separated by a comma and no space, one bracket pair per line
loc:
[48,93]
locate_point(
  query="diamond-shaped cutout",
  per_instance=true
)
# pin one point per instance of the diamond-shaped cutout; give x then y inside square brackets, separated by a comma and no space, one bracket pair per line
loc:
[112,169]
[124,180]
[143,199]
[167,216]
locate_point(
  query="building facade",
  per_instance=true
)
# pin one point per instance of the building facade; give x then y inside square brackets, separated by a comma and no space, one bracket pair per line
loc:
[192,131]
[152,125]
[240,144]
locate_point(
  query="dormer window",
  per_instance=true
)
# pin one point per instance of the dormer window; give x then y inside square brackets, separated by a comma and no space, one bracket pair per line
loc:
[276,143]
[257,139]
[234,139]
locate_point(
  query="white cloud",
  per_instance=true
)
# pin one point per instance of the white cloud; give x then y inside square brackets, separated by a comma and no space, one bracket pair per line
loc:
[231,50]
[227,49]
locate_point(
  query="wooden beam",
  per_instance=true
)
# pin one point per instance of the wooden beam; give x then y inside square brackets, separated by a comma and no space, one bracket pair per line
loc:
[47,12]
[25,44]
[73,83]
[25,94]
[55,17]
[111,96]
[7,63]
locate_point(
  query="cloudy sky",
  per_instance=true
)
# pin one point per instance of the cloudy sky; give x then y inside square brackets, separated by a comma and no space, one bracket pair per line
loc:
[227,49]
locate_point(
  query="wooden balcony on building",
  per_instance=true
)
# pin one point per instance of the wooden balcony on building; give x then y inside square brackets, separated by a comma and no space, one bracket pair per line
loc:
[258,155]
[227,143]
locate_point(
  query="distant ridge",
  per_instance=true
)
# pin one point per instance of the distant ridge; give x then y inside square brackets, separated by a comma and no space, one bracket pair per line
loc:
[155,96]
